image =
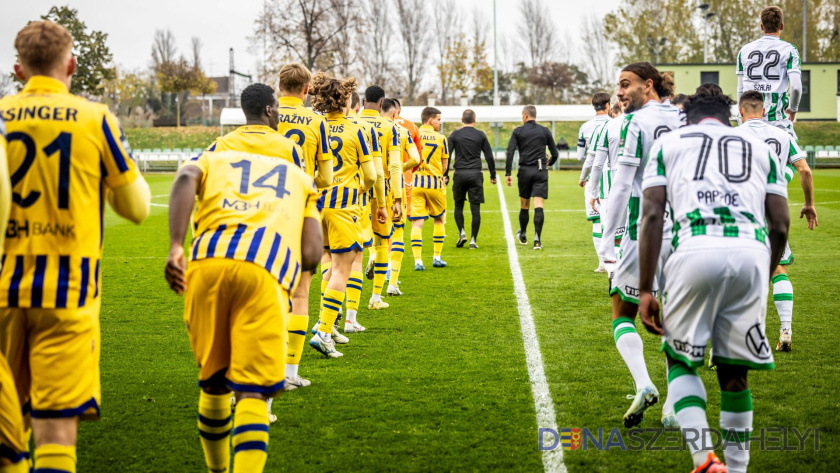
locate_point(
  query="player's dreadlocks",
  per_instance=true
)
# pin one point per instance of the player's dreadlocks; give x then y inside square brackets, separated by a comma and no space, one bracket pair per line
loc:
[330,94]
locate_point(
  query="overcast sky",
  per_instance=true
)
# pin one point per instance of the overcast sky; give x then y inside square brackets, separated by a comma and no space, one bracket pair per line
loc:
[224,24]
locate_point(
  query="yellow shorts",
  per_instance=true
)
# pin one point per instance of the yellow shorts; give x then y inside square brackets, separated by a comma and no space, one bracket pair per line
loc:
[236,317]
[427,203]
[367,231]
[54,358]
[383,230]
[13,441]
[342,229]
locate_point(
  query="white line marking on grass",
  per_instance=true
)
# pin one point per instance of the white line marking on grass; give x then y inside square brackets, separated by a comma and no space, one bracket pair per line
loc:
[544,210]
[796,204]
[543,404]
[159,205]
[158,196]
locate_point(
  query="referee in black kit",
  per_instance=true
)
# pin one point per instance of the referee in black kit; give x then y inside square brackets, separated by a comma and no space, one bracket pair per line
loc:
[466,145]
[530,140]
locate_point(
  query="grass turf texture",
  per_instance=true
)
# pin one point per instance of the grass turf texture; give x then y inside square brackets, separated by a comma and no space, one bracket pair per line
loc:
[439,382]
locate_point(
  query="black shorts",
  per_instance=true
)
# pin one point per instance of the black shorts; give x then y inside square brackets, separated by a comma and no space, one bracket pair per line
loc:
[468,184]
[532,182]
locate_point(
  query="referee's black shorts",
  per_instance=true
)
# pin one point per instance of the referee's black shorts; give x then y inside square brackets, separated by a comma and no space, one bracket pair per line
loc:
[533,182]
[468,183]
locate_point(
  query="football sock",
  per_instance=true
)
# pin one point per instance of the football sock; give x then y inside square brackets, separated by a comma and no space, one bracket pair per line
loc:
[459,217]
[325,268]
[523,220]
[783,298]
[417,243]
[690,404]
[439,236]
[629,345]
[668,406]
[397,252]
[214,424]
[380,265]
[476,219]
[250,436]
[596,234]
[736,419]
[20,467]
[298,325]
[54,458]
[354,293]
[539,218]
[332,303]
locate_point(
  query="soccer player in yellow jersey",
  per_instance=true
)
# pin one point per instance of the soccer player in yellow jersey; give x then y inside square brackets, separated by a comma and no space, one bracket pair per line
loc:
[258,230]
[429,199]
[392,166]
[353,175]
[309,131]
[14,441]
[410,158]
[67,156]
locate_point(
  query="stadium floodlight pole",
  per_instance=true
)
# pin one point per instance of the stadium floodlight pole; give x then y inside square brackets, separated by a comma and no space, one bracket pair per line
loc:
[704,7]
[496,101]
[804,30]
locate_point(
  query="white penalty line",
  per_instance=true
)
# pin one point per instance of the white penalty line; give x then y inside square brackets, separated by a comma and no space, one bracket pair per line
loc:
[543,404]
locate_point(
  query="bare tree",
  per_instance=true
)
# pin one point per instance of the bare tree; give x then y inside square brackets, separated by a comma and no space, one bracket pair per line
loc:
[302,30]
[536,31]
[414,25]
[7,85]
[480,25]
[345,13]
[163,48]
[598,61]
[375,38]
[443,14]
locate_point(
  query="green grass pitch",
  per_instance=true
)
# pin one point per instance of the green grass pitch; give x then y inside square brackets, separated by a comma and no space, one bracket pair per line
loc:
[439,382]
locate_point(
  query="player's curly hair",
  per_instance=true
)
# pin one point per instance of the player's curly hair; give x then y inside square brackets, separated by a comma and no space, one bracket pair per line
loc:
[666,85]
[330,94]
[708,102]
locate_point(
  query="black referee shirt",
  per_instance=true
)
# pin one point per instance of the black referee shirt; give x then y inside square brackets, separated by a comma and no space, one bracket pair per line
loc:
[467,143]
[531,140]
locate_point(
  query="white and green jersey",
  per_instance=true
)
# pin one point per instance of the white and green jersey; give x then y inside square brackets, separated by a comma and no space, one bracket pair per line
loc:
[781,144]
[585,134]
[604,153]
[717,179]
[764,65]
[638,132]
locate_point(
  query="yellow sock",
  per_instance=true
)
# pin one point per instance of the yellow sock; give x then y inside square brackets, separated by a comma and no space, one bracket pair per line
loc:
[57,458]
[325,268]
[331,302]
[397,252]
[439,235]
[214,424]
[298,325]
[380,265]
[417,243]
[19,467]
[354,292]
[250,436]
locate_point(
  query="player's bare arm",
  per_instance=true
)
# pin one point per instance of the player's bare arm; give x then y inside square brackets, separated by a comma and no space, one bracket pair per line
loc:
[181,203]
[778,224]
[650,242]
[806,179]
[311,244]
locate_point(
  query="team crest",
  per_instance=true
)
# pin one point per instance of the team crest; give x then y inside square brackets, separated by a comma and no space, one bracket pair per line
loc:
[570,439]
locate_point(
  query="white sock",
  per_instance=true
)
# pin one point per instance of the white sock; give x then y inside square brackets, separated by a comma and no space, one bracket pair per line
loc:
[783,298]
[291,370]
[351,316]
[268,403]
[690,403]
[630,346]
[668,405]
[437,258]
[418,261]
[325,336]
[596,240]
[375,297]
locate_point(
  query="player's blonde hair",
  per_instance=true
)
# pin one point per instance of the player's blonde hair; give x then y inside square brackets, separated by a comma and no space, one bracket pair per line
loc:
[42,45]
[330,94]
[294,77]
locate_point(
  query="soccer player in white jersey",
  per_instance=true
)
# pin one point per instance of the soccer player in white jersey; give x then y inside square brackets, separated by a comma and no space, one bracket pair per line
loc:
[586,137]
[722,184]
[768,65]
[647,119]
[790,157]
[604,154]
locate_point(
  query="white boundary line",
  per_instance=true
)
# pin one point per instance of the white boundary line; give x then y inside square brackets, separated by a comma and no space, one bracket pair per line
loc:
[543,404]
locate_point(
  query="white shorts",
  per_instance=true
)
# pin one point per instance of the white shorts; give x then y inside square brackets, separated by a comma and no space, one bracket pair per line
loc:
[625,279]
[787,126]
[787,256]
[717,289]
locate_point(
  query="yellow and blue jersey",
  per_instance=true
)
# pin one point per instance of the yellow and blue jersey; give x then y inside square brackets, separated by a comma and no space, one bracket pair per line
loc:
[350,149]
[307,129]
[375,150]
[64,153]
[251,208]
[429,174]
[388,140]
[259,139]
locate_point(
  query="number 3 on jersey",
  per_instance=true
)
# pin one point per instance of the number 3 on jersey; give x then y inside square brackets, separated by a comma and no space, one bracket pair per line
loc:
[60,145]
[336,144]
[280,170]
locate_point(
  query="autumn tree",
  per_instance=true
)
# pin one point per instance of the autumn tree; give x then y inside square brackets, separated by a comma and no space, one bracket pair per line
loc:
[443,12]
[637,24]
[414,38]
[536,31]
[375,37]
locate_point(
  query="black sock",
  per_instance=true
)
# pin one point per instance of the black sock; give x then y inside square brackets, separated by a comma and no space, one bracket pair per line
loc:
[538,222]
[523,220]
[459,217]
[476,219]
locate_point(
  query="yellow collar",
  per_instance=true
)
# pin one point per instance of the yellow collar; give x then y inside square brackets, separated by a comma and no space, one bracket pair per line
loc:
[290,101]
[260,128]
[334,115]
[426,128]
[44,84]
[369,113]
